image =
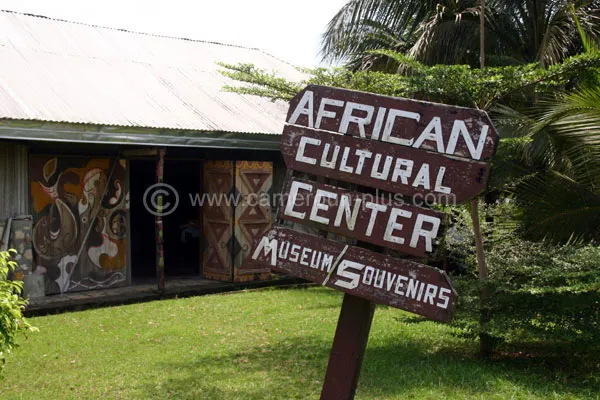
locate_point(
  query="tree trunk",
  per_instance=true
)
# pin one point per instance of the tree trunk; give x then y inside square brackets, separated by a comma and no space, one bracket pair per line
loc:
[486,345]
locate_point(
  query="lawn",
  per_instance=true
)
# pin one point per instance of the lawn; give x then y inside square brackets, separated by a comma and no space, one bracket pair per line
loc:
[267,344]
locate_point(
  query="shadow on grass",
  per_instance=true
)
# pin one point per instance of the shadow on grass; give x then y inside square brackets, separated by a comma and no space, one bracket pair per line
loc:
[295,366]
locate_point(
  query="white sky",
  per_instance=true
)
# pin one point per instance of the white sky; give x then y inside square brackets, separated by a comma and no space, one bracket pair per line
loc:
[287,29]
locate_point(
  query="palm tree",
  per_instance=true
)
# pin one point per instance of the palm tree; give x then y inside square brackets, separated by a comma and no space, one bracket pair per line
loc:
[447,31]
[557,181]
[560,194]
[561,200]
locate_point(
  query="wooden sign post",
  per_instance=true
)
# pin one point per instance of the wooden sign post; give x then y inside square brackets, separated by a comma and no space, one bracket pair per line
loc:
[412,152]
[348,349]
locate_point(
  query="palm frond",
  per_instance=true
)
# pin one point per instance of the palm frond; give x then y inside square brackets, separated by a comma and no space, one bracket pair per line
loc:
[557,208]
[359,20]
[449,37]
[446,31]
[574,123]
[558,35]
[511,122]
[354,21]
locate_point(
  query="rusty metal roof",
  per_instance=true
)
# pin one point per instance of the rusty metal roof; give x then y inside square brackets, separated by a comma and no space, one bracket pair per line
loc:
[54,70]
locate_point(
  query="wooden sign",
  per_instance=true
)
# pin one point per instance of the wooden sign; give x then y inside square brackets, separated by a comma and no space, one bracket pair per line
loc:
[363,216]
[432,177]
[382,279]
[430,153]
[454,131]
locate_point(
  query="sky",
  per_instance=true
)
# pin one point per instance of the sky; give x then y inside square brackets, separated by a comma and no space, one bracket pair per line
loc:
[289,30]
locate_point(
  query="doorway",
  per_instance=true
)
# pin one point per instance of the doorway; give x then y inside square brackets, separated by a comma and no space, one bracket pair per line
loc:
[182,229]
[143,241]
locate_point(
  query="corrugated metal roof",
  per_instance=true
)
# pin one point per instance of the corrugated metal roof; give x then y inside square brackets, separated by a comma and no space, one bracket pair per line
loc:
[53,70]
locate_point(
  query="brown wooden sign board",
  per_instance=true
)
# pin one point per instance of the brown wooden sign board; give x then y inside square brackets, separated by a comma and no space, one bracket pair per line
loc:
[432,153]
[366,217]
[430,177]
[379,278]
[450,130]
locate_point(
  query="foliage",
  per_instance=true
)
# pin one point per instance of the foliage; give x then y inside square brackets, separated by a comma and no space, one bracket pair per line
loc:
[575,122]
[267,344]
[543,295]
[558,208]
[451,84]
[527,303]
[560,132]
[12,321]
[561,146]
[447,31]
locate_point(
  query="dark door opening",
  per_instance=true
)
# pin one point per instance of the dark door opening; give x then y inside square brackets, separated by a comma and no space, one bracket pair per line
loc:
[143,241]
[182,229]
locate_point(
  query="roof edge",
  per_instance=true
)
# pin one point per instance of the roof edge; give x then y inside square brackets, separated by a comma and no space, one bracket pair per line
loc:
[61,132]
[145,33]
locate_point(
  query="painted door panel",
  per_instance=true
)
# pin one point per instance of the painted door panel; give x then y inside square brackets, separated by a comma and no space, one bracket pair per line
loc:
[218,220]
[253,216]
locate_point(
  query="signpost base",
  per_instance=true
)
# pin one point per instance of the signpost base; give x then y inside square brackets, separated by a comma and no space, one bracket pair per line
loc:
[349,344]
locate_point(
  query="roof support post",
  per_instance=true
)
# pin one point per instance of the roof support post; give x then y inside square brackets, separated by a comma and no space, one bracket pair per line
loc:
[159,231]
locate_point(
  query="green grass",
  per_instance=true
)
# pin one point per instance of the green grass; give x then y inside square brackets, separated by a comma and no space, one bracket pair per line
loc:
[269,344]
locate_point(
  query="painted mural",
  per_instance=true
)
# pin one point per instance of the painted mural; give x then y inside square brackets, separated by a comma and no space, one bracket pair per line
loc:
[79,222]
[19,239]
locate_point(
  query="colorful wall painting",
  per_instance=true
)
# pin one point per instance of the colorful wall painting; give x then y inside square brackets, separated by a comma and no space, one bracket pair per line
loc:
[20,241]
[79,208]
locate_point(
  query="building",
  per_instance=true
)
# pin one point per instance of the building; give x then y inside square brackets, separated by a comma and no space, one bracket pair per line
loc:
[91,118]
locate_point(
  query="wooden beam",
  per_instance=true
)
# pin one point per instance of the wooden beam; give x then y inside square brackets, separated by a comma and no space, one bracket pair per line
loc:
[152,152]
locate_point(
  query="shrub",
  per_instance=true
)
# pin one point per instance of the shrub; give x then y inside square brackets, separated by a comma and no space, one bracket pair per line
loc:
[12,305]
[542,294]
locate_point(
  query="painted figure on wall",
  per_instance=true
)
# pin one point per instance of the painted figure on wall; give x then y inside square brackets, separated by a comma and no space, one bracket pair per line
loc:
[80,215]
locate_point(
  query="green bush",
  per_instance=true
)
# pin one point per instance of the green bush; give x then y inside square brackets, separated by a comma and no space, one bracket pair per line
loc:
[12,305]
[543,295]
